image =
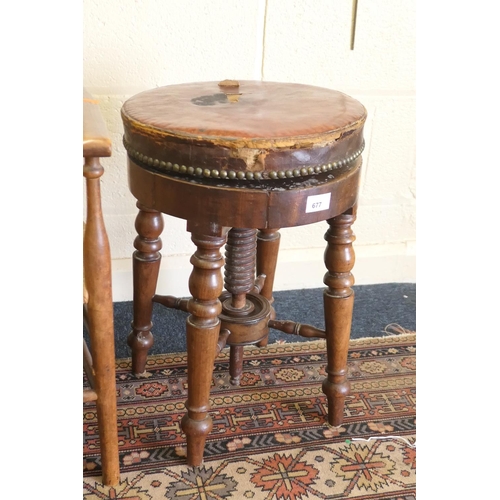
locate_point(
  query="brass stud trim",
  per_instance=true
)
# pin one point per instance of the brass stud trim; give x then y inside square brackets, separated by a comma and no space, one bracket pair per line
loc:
[304,171]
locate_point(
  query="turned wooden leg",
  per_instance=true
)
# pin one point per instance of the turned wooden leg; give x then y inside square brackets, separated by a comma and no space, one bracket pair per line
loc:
[268,244]
[99,317]
[146,265]
[338,304]
[203,325]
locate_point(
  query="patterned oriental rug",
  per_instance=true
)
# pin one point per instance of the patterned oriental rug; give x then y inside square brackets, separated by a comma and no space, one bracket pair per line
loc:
[269,438]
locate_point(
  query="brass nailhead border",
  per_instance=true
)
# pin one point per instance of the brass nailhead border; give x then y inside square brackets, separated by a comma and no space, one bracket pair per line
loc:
[241,176]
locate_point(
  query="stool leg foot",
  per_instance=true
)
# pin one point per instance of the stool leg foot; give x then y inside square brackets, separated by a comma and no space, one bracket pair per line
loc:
[146,265]
[338,306]
[202,326]
[268,243]
[235,364]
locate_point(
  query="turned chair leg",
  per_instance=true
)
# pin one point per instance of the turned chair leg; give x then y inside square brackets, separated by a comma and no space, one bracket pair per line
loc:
[202,326]
[268,244]
[99,319]
[146,265]
[338,307]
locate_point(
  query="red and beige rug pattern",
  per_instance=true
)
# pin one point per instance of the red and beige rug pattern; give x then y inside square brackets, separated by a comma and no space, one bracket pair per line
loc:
[270,439]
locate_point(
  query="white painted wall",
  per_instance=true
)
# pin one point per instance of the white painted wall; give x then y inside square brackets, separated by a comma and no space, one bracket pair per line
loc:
[132,45]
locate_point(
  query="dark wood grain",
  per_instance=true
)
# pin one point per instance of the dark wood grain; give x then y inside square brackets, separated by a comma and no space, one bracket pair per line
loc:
[270,208]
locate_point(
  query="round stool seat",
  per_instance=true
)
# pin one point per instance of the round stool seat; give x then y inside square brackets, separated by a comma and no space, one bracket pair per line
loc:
[245,131]
[263,138]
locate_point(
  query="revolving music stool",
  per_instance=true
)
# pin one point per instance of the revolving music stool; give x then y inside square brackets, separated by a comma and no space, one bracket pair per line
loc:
[238,161]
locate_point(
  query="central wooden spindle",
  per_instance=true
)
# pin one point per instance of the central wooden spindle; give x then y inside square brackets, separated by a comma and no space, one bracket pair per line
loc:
[239,279]
[239,271]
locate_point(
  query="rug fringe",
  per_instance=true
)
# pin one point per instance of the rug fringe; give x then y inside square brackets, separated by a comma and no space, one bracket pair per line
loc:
[373,438]
[395,329]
